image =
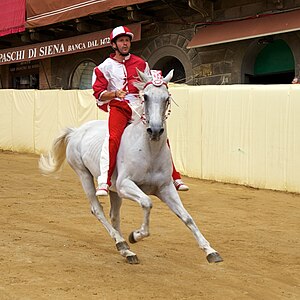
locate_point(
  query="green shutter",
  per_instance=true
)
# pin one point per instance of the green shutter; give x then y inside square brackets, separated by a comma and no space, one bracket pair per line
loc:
[276,57]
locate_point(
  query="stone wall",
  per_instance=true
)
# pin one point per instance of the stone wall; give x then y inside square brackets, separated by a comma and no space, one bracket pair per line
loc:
[225,63]
[219,64]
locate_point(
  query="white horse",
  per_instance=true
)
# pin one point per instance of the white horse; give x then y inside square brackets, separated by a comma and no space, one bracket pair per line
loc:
[143,167]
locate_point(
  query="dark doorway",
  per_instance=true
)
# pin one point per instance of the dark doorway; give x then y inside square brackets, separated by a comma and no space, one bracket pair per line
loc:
[25,81]
[276,78]
[25,75]
[167,63]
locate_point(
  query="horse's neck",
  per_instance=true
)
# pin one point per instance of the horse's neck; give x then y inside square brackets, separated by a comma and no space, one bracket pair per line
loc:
[156,146]
[137,133]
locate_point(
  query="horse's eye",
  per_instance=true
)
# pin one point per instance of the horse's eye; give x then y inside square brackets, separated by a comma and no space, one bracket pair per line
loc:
[145,97]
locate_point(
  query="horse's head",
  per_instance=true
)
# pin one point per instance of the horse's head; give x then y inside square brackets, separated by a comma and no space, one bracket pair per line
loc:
[156,102]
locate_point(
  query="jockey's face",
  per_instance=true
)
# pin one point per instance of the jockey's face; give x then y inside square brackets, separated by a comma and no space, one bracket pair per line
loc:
[122,45]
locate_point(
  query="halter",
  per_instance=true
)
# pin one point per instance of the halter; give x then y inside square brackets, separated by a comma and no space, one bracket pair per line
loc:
[157,80]
[142,117]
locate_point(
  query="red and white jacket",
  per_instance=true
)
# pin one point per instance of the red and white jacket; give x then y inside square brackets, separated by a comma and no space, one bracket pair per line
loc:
[112,75]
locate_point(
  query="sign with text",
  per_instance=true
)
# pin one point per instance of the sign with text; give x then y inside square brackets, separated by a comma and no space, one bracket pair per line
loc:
[80,43]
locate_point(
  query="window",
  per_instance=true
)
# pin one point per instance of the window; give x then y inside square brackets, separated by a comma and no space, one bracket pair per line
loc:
[26,81]
[24,75]
[82,76]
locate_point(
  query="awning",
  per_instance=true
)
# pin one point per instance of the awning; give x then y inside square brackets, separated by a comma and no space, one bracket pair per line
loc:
[46,12]
[246,29]
[12,16]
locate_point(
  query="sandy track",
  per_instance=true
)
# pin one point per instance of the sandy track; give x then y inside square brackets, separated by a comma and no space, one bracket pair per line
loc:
[51,247]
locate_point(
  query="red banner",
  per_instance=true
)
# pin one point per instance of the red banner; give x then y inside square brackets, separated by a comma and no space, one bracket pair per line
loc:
[12,16]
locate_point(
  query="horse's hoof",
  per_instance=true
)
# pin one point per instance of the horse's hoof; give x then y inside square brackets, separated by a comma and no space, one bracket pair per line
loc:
[131,238]
[214,257]
[132,259]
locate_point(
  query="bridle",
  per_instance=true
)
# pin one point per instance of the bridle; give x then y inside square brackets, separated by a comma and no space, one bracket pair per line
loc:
[157,83]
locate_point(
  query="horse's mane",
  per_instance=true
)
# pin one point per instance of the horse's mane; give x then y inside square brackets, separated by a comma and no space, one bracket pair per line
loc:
[139,85]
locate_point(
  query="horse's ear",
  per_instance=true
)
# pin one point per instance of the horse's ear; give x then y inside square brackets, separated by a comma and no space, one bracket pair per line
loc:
[169,76]
[142,76]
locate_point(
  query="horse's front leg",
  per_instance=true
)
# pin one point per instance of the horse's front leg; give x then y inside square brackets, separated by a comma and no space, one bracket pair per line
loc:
[169,195]
[115,205]
[97,210]
[128,189]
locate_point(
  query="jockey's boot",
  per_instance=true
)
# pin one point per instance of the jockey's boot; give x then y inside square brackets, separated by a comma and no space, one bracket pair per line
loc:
[180,186]
[102,189]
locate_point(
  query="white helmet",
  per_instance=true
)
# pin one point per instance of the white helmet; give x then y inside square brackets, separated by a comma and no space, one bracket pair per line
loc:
[119,31]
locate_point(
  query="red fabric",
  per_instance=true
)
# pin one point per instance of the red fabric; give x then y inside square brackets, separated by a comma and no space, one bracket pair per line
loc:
[131,65]
[98,85]
[110,75]
[119,116]
[12,16]
[175,174]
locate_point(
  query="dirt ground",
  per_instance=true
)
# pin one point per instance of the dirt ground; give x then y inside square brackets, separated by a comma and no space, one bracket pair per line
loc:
[51,247]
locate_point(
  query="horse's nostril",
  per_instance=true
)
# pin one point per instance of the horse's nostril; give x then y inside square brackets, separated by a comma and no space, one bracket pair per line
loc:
[155,131]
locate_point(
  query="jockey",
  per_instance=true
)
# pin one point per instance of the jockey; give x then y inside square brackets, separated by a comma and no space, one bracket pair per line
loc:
[114,92]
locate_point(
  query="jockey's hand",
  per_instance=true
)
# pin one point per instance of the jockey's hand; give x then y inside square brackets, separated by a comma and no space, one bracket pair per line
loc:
[120,94]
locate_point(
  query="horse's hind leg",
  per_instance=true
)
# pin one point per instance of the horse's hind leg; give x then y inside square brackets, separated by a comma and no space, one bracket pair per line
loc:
[97,210]
[170,196]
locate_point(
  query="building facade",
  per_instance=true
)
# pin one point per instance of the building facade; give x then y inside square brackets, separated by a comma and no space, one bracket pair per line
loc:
[204,41]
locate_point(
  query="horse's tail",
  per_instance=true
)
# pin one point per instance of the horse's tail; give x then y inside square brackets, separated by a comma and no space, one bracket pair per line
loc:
[53,161]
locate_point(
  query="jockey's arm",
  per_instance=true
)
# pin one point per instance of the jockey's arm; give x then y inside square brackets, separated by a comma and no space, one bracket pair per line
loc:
[100,88]
[109,95]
